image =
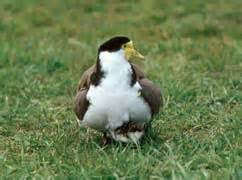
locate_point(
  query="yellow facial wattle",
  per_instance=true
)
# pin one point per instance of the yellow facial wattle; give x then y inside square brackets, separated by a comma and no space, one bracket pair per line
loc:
[131,52]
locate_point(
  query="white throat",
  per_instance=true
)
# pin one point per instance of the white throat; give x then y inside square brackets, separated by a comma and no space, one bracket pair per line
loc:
[116,68]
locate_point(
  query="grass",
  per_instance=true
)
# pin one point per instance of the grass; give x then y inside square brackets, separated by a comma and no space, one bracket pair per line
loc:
[193,50]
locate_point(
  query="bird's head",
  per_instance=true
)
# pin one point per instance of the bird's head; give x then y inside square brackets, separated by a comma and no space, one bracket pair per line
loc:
[123,45]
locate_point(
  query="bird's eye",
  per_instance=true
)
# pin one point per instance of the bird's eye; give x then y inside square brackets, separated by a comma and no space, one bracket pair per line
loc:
[125,46]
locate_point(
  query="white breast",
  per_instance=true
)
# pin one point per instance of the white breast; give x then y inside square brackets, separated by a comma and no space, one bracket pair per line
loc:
[114,101]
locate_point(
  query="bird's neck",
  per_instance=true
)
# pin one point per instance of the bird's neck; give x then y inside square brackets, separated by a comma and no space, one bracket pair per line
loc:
[116,68]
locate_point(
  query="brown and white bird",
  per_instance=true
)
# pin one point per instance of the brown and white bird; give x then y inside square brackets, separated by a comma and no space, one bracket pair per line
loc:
[114,96]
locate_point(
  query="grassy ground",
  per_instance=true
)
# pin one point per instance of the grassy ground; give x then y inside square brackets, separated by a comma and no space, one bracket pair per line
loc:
[194,52]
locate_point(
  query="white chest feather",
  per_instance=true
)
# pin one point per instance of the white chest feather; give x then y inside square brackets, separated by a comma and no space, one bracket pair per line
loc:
[114,101]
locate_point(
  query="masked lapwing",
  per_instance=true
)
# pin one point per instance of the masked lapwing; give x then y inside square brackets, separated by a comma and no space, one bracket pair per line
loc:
[114,96]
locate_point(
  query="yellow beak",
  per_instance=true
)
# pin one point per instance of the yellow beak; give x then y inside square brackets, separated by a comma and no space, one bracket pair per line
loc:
[131,52]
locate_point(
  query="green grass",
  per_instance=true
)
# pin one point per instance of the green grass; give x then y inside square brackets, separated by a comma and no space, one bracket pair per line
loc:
[194,52]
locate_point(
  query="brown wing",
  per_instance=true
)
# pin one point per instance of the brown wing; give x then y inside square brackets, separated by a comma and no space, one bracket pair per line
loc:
[85,80]
[150,92]
[81,103]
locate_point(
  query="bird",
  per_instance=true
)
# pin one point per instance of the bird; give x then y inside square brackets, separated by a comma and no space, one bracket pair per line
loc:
[114,96]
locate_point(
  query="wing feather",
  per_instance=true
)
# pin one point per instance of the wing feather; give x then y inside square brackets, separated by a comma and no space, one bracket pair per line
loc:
[80,102]
[150,92]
